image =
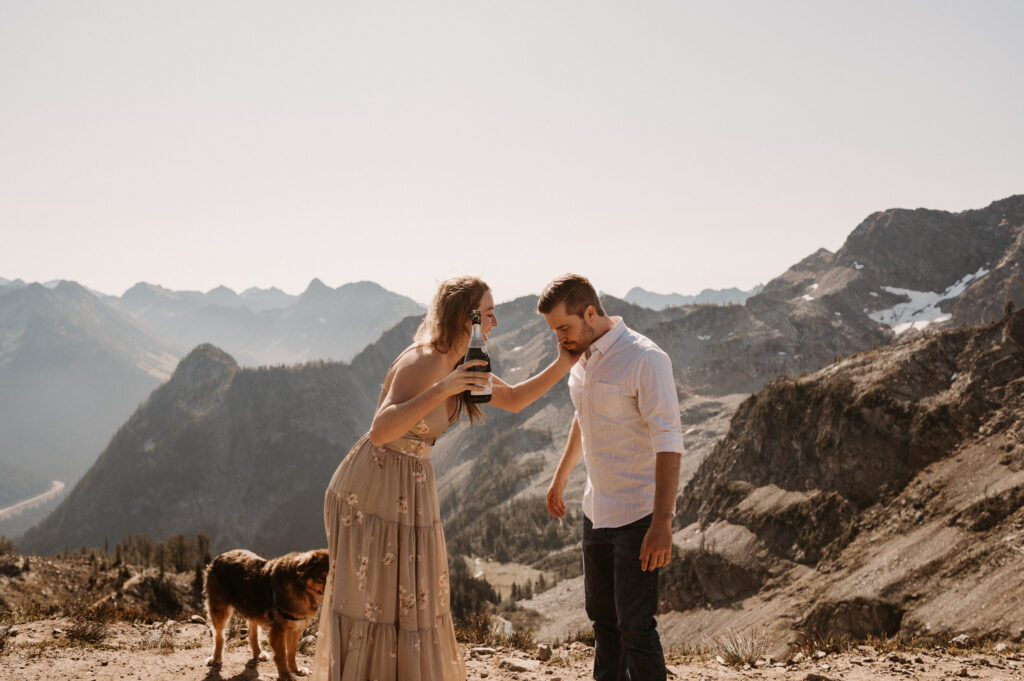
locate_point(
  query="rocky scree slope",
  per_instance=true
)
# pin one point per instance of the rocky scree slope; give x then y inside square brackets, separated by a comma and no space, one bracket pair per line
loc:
[883,494]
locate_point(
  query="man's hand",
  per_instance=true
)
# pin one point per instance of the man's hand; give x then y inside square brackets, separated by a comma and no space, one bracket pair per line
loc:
[567,356]
[556,506]
[657,547]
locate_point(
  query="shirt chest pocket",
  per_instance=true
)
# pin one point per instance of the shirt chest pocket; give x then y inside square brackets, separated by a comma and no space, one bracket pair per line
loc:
[612,400]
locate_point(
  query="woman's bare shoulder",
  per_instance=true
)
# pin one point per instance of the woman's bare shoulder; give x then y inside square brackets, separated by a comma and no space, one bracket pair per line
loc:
[418,355]
[419,362]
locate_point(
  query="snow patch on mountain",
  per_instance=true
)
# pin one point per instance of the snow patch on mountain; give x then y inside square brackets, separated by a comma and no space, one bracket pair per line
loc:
[922,307]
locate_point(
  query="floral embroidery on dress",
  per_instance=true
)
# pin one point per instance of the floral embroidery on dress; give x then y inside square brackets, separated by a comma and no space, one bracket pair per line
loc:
[371,610]
[364,562]
[406,600]
[378,457]
[420,475]
[389,557]
[421,600]
[421,428]
[352,499]
[442,593]
[403,505]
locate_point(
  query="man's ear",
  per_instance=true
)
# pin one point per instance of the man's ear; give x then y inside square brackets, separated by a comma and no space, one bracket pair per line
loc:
[590,313]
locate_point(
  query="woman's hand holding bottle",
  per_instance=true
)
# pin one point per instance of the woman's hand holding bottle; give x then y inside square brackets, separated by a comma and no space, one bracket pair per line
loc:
[462,378]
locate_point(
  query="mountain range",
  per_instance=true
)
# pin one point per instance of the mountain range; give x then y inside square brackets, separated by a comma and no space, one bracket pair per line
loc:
[75,363]
[246,438]
[659,301]
[71,371]
[267,326]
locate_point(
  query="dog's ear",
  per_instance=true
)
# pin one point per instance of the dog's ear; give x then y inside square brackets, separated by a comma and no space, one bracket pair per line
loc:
[315,565]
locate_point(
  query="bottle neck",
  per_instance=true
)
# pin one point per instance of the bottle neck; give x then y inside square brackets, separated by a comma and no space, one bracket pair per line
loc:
[476,337]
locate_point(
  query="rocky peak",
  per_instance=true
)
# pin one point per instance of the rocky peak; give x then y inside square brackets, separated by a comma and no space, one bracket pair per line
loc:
[317,288]
[928,249]
[143,291]
[796,279]
[199,379]
[222,295]
[204,363]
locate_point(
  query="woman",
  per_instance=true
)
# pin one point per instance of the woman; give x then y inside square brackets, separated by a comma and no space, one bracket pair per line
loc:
[386,611]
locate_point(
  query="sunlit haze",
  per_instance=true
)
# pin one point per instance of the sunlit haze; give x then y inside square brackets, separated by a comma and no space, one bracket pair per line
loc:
[670,145]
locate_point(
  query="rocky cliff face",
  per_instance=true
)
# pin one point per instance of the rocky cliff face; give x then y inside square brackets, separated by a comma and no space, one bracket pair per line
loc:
[883,494]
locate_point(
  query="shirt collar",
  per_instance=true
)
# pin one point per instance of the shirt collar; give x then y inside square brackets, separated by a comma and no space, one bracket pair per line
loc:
[605,342]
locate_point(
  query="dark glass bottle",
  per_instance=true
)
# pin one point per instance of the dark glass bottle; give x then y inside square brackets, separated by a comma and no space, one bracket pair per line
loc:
[478,350]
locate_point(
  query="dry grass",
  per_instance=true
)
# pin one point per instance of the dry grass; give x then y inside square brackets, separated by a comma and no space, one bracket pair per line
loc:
[808,645]
[885,645]
[88,631]
[684,652]
[235,627]
[741,647]
[32,614]
[5,633]
[90,624]
[161,638]
[483,630]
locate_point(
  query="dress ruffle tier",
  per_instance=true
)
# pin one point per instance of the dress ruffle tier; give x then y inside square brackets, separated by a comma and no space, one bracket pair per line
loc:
[386,613]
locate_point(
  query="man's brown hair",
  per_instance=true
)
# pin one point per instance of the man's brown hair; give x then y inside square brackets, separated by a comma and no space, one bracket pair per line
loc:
[574,290]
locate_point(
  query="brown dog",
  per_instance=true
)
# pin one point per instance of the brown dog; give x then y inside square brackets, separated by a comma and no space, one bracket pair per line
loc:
[280,595]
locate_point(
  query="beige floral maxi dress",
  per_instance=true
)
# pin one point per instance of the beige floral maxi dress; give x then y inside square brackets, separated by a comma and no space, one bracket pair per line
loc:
[386,613]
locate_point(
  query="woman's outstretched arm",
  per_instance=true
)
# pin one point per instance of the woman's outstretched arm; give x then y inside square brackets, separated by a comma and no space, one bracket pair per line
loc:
[517,397]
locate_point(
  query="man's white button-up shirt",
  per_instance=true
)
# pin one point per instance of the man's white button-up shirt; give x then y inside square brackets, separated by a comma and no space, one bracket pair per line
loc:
[628,411]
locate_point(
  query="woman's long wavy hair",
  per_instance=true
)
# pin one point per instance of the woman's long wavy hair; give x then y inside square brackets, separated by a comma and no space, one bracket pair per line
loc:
[447,319]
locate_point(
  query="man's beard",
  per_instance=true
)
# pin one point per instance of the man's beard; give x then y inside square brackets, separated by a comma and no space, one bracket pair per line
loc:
[586,339]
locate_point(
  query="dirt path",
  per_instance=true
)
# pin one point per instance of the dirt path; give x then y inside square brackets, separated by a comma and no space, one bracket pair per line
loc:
[178,651]
[56,487]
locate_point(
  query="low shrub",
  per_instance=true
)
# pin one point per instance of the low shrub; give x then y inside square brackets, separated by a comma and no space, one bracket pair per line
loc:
[741,647]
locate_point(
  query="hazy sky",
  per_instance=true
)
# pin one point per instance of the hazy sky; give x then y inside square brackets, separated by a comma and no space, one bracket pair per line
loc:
[671,145]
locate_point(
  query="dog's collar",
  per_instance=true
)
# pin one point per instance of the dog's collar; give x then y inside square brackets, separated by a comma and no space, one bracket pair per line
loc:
[274,610]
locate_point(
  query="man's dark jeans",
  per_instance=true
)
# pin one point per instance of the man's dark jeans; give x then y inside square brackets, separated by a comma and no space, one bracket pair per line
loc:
[621,600]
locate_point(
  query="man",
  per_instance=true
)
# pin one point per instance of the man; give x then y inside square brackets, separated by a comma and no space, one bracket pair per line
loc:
[627,430]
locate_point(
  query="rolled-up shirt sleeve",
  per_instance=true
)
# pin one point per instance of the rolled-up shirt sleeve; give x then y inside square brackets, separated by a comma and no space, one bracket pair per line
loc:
[658,403]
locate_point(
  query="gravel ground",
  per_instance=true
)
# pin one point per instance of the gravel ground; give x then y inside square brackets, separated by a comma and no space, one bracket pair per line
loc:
[40,650]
